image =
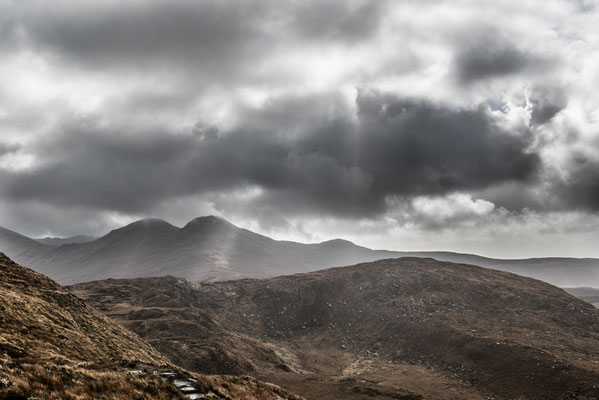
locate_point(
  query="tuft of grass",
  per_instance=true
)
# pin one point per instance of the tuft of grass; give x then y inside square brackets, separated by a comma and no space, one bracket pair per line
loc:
[51,383]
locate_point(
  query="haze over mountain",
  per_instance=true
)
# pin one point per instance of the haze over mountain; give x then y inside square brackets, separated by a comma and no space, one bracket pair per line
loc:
[210,248]
[405,328]
[57,241]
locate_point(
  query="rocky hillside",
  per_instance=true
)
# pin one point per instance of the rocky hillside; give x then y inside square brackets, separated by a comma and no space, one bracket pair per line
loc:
[590,295]
[397,329]
[54,346]
[212,249]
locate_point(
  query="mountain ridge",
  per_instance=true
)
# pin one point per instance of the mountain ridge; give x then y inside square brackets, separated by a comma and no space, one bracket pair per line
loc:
[59,241]
[211,248]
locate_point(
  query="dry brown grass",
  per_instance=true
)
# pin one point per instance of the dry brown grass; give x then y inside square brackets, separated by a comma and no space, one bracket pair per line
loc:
[244,387]
[53,346]
[61,383]
[56,383]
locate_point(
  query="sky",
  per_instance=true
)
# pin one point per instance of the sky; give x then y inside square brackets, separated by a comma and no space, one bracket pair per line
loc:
[456,125]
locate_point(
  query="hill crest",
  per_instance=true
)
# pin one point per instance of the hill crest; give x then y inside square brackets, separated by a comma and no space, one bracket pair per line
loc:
[412,328]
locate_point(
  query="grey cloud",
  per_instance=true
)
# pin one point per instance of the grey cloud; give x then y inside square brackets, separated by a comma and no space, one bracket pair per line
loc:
[486,53]
[84,165]
[576,188]
[205,40]
[421,148]
[210,35]
[546,102]
[336,20]
[585,6]
[7,148]
[10,32]
[516,196]
[38,219]
[323,164]
[580,190]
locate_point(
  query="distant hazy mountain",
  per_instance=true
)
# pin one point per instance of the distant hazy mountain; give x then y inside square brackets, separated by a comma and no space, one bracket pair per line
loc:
[210,248]
[588,294]
[58,241]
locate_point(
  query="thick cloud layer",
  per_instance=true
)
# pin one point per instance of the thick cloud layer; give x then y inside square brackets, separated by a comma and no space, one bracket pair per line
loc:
[194,41]
[395,147]
[300,119]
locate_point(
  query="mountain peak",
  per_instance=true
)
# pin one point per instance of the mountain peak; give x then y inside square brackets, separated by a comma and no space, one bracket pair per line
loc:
[338,243]
[143,226]
[148,223]
[207,221]
[58,241]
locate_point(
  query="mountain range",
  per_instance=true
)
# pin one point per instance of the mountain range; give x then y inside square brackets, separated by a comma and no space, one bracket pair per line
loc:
[212,249]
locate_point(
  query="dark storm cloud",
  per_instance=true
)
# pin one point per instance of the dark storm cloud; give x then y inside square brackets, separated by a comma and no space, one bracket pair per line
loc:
[580,190]
[486,53]
[83,164]
[335,165]
[434,149]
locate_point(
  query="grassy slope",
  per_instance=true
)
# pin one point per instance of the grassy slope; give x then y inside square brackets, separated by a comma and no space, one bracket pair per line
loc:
[54,346]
